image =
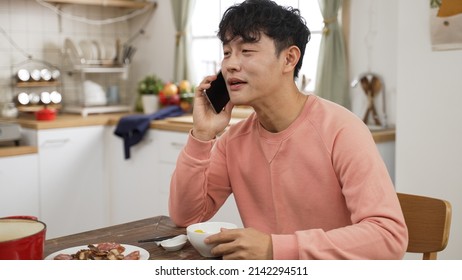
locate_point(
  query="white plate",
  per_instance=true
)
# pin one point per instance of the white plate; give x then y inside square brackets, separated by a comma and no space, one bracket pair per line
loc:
[89,51]
[144,255]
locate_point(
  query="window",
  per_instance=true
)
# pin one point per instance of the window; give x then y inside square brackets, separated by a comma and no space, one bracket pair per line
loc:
[207,50]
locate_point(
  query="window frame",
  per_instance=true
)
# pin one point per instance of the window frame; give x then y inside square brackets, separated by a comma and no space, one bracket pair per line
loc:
[213,65]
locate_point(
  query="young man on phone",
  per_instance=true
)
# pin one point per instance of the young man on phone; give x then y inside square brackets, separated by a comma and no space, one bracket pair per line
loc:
[306,175]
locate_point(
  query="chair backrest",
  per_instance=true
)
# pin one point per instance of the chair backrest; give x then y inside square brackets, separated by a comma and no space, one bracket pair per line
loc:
[428,221]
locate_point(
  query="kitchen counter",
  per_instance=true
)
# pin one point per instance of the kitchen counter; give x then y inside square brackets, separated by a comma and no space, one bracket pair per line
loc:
[179,124]
[17,151]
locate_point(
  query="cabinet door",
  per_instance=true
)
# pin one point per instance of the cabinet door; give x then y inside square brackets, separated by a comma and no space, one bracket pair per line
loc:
[387,150]
[19,191]
[134,182]
[170,144]
[72,191]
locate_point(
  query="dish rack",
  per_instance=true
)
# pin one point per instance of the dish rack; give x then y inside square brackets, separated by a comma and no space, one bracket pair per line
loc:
[95,63]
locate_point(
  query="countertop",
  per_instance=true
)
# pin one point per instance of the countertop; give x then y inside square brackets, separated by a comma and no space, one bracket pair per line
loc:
[179,124]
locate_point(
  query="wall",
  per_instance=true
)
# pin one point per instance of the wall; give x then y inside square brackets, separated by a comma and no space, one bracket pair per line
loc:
[41,33]
[429,133]
[156,48]
[423,99]
[372,47]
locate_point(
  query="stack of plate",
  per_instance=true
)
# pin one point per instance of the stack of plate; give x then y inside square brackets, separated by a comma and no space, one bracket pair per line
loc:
[91,52]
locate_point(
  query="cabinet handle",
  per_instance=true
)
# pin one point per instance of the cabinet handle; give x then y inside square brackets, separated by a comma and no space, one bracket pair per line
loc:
[55,142]
[177,145]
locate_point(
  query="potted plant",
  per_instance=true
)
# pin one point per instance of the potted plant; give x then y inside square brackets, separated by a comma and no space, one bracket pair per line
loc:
[149,89]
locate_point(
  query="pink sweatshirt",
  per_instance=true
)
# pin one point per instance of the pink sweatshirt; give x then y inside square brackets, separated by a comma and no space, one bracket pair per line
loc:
[320,187]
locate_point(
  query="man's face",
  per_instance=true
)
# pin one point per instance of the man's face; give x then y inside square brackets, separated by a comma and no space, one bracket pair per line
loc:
[251,70]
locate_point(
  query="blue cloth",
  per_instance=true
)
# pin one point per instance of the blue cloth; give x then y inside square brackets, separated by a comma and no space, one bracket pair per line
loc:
[132,128]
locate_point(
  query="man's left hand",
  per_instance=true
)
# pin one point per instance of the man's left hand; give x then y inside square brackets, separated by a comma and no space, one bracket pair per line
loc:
[242,244]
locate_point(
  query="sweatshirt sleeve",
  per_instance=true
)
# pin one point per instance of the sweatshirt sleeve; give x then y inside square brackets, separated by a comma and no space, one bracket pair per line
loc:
[194,197]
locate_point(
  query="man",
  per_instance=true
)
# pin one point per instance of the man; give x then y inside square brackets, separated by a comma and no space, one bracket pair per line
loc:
[306,175]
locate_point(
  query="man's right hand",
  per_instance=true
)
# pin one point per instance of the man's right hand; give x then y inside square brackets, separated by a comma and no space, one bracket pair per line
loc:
[206,124]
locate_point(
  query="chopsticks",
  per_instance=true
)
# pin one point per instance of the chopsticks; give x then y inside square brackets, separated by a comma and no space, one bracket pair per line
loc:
[159,238]
[156,239]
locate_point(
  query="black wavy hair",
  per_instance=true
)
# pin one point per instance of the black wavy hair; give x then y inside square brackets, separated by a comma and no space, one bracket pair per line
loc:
[282,24]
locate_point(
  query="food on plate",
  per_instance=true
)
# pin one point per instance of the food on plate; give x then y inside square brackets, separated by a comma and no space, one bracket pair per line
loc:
[199,231]
[101,251]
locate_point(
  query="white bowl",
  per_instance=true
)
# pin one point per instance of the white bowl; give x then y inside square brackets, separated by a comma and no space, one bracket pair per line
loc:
[175,243]
[198,232]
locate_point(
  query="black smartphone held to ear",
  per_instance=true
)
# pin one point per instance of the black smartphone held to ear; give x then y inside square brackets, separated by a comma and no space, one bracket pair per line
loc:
[217,94]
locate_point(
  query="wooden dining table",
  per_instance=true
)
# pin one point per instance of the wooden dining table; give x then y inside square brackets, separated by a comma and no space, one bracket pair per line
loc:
[130,233]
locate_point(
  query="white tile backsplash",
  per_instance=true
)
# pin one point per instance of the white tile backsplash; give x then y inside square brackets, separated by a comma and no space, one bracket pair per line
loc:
[40,32]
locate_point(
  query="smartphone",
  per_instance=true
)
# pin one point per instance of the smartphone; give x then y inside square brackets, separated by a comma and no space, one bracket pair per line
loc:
[217,94]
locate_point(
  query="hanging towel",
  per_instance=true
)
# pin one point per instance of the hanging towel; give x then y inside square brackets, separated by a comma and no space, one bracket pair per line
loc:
[132,128]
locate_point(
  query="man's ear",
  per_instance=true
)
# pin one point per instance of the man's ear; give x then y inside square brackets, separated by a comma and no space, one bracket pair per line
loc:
[291,58]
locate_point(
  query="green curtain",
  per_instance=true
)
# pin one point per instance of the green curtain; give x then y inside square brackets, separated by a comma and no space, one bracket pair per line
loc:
[182,11]
[332,73]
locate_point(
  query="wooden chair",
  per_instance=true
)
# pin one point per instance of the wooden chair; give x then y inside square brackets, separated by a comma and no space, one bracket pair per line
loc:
[428,221]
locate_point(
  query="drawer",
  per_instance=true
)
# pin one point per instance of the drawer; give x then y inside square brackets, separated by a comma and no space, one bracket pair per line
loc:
[170,145]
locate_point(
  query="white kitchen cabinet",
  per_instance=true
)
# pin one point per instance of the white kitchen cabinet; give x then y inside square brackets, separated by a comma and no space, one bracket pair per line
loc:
[387,151]
[134,182]
[19,190]
[171,143]
[73,194]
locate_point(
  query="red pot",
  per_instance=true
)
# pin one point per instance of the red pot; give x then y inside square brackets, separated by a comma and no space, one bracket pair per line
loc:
[21,238]
[45,114]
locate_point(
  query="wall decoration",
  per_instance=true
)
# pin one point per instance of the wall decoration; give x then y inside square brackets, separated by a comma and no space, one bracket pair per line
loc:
[446,24]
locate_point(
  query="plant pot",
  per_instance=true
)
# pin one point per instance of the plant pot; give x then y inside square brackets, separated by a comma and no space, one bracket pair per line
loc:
[150,103]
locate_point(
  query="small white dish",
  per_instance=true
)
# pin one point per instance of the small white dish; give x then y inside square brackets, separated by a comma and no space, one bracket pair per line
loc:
[175,243]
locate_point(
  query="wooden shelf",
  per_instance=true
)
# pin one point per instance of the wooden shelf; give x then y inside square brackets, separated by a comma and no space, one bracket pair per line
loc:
[37,84]
[100,69]
[35,108]
[107,3]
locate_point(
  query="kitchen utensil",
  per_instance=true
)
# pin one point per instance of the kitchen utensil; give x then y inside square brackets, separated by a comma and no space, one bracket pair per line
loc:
[45,97]
[55,97]
[88,51]
[23,75]
[45,74]
[10,132]
[94,94]
[128,52]
[45,114]
[23,98]
[9,110]
[371,88]
[175,243]
[159,238]
[198,232]
[35,75]
[73,51]
[144,254]
[376,87]
[22,238]
[55,74]
[34,98]
[97,50]
[156,239]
